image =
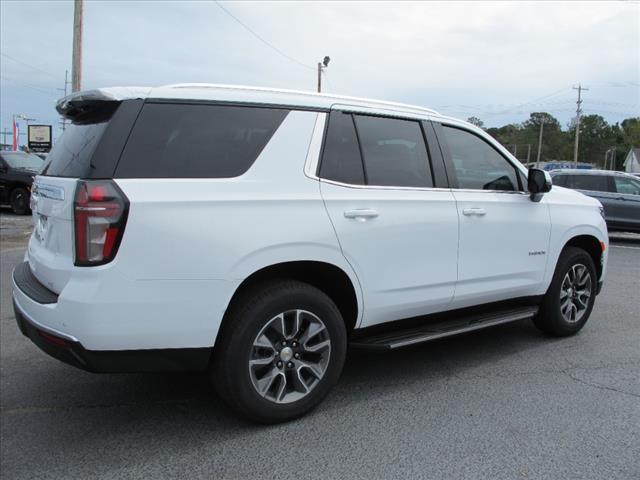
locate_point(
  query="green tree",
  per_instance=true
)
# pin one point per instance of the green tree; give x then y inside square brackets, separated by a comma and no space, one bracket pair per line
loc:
[596,136]
[476,121]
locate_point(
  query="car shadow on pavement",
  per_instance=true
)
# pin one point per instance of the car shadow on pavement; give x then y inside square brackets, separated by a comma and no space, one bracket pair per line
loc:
[189,398]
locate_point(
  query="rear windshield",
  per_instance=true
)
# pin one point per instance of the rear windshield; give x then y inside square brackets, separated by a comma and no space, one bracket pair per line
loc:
[26,161]
[71,155]
[197,141]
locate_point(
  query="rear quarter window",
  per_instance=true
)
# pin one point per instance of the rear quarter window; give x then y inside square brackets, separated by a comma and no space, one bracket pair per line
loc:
[197,141]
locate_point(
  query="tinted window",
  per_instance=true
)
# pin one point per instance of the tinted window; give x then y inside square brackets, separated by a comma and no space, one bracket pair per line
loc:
[26,161]
[71,155]
[394,152]
[626,185]
[597,183]
[478,165]
[197,141]
[561,180]
[341,157]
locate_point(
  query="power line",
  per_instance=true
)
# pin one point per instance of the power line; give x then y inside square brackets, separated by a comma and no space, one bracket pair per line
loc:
[22,84]
[276,49]
[29,65]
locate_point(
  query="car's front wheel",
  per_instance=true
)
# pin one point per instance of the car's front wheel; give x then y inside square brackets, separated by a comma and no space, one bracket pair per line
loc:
[281,350]
[567,305]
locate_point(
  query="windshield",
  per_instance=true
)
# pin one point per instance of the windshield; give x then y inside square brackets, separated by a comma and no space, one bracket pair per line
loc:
[27,161]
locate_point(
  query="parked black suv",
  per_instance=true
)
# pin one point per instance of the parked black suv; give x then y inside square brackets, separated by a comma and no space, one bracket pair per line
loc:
[17,170]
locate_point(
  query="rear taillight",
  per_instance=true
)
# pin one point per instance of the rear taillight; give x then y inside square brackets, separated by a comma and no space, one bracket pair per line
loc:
[100,214]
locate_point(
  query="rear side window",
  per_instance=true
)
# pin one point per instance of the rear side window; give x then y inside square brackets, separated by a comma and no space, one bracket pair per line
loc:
[596,183]
[71,155]
[341,160]
[197,141]
[394,152]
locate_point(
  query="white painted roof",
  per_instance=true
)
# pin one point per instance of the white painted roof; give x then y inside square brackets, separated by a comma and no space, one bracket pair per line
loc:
[236,93]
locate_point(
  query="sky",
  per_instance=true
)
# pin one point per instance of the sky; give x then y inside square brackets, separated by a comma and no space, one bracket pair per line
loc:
[497,61]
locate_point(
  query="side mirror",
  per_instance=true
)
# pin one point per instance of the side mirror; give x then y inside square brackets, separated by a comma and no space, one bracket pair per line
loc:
[539,182]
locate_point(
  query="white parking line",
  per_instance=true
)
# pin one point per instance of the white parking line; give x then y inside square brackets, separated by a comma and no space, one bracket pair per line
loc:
[623,246]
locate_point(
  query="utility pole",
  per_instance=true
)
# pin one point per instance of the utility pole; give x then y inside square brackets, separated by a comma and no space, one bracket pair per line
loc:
[540,142]
[5,132]
[580,88]
[321,67]
[63,122]
[76,68]
[528,152]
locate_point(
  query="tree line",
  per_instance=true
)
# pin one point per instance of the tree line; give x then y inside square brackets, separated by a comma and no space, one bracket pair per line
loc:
[596,137]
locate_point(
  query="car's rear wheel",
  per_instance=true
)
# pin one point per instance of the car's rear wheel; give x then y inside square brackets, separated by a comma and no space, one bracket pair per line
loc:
[567,305]
[281,350]
[19,201]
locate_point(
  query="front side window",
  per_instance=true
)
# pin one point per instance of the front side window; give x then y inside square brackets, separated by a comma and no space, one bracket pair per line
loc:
[627,186]
[596,183]
[477,164]
[394,152]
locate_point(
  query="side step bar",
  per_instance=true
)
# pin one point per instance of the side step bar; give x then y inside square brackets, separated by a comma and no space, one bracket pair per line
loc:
[455,326]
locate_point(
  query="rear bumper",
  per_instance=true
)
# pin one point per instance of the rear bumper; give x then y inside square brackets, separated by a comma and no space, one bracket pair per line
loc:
[68,350]
[39,318]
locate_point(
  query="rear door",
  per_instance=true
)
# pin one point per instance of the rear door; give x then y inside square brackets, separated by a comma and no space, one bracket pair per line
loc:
[504,236]
[395,226]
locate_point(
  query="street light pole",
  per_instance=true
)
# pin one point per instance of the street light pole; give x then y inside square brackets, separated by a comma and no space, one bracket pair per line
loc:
[321,67]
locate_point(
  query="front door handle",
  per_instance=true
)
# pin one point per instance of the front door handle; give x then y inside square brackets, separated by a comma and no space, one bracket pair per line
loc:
[474,211]
[361,214]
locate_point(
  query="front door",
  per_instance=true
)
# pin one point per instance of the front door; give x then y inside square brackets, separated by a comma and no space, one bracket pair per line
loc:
[504,236]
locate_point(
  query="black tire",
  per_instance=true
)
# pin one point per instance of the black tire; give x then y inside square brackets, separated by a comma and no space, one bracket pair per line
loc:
[19,201]
[550,318]
[249,315]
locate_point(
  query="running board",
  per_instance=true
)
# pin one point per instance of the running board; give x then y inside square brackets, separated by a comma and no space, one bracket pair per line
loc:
[434,331]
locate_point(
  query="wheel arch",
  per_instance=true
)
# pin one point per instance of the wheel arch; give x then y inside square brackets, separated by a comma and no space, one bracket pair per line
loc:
[592,245]
[331,279]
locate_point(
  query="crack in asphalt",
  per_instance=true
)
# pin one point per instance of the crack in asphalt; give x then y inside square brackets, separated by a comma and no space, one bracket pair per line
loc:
[599,386]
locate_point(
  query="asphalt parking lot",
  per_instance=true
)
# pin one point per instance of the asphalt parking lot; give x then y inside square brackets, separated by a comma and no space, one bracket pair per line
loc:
[502,403]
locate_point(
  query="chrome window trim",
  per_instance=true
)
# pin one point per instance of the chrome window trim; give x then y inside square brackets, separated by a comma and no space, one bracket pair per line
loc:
[382,187]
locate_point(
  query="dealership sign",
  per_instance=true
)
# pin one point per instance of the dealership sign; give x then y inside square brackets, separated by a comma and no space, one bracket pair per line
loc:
[39,138]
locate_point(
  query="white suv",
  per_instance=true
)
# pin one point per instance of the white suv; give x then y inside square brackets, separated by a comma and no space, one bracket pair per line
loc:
[256,233]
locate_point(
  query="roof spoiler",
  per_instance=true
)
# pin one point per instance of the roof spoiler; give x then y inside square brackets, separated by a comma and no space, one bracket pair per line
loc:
[97,105]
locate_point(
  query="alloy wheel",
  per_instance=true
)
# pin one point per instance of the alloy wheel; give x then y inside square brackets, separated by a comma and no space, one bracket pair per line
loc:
[289,356]
[575,293]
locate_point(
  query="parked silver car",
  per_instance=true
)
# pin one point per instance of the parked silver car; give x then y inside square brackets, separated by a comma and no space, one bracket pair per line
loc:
[618,192]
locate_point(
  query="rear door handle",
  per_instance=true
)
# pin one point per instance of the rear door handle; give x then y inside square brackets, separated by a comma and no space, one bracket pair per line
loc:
[361,214]
[474,211]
